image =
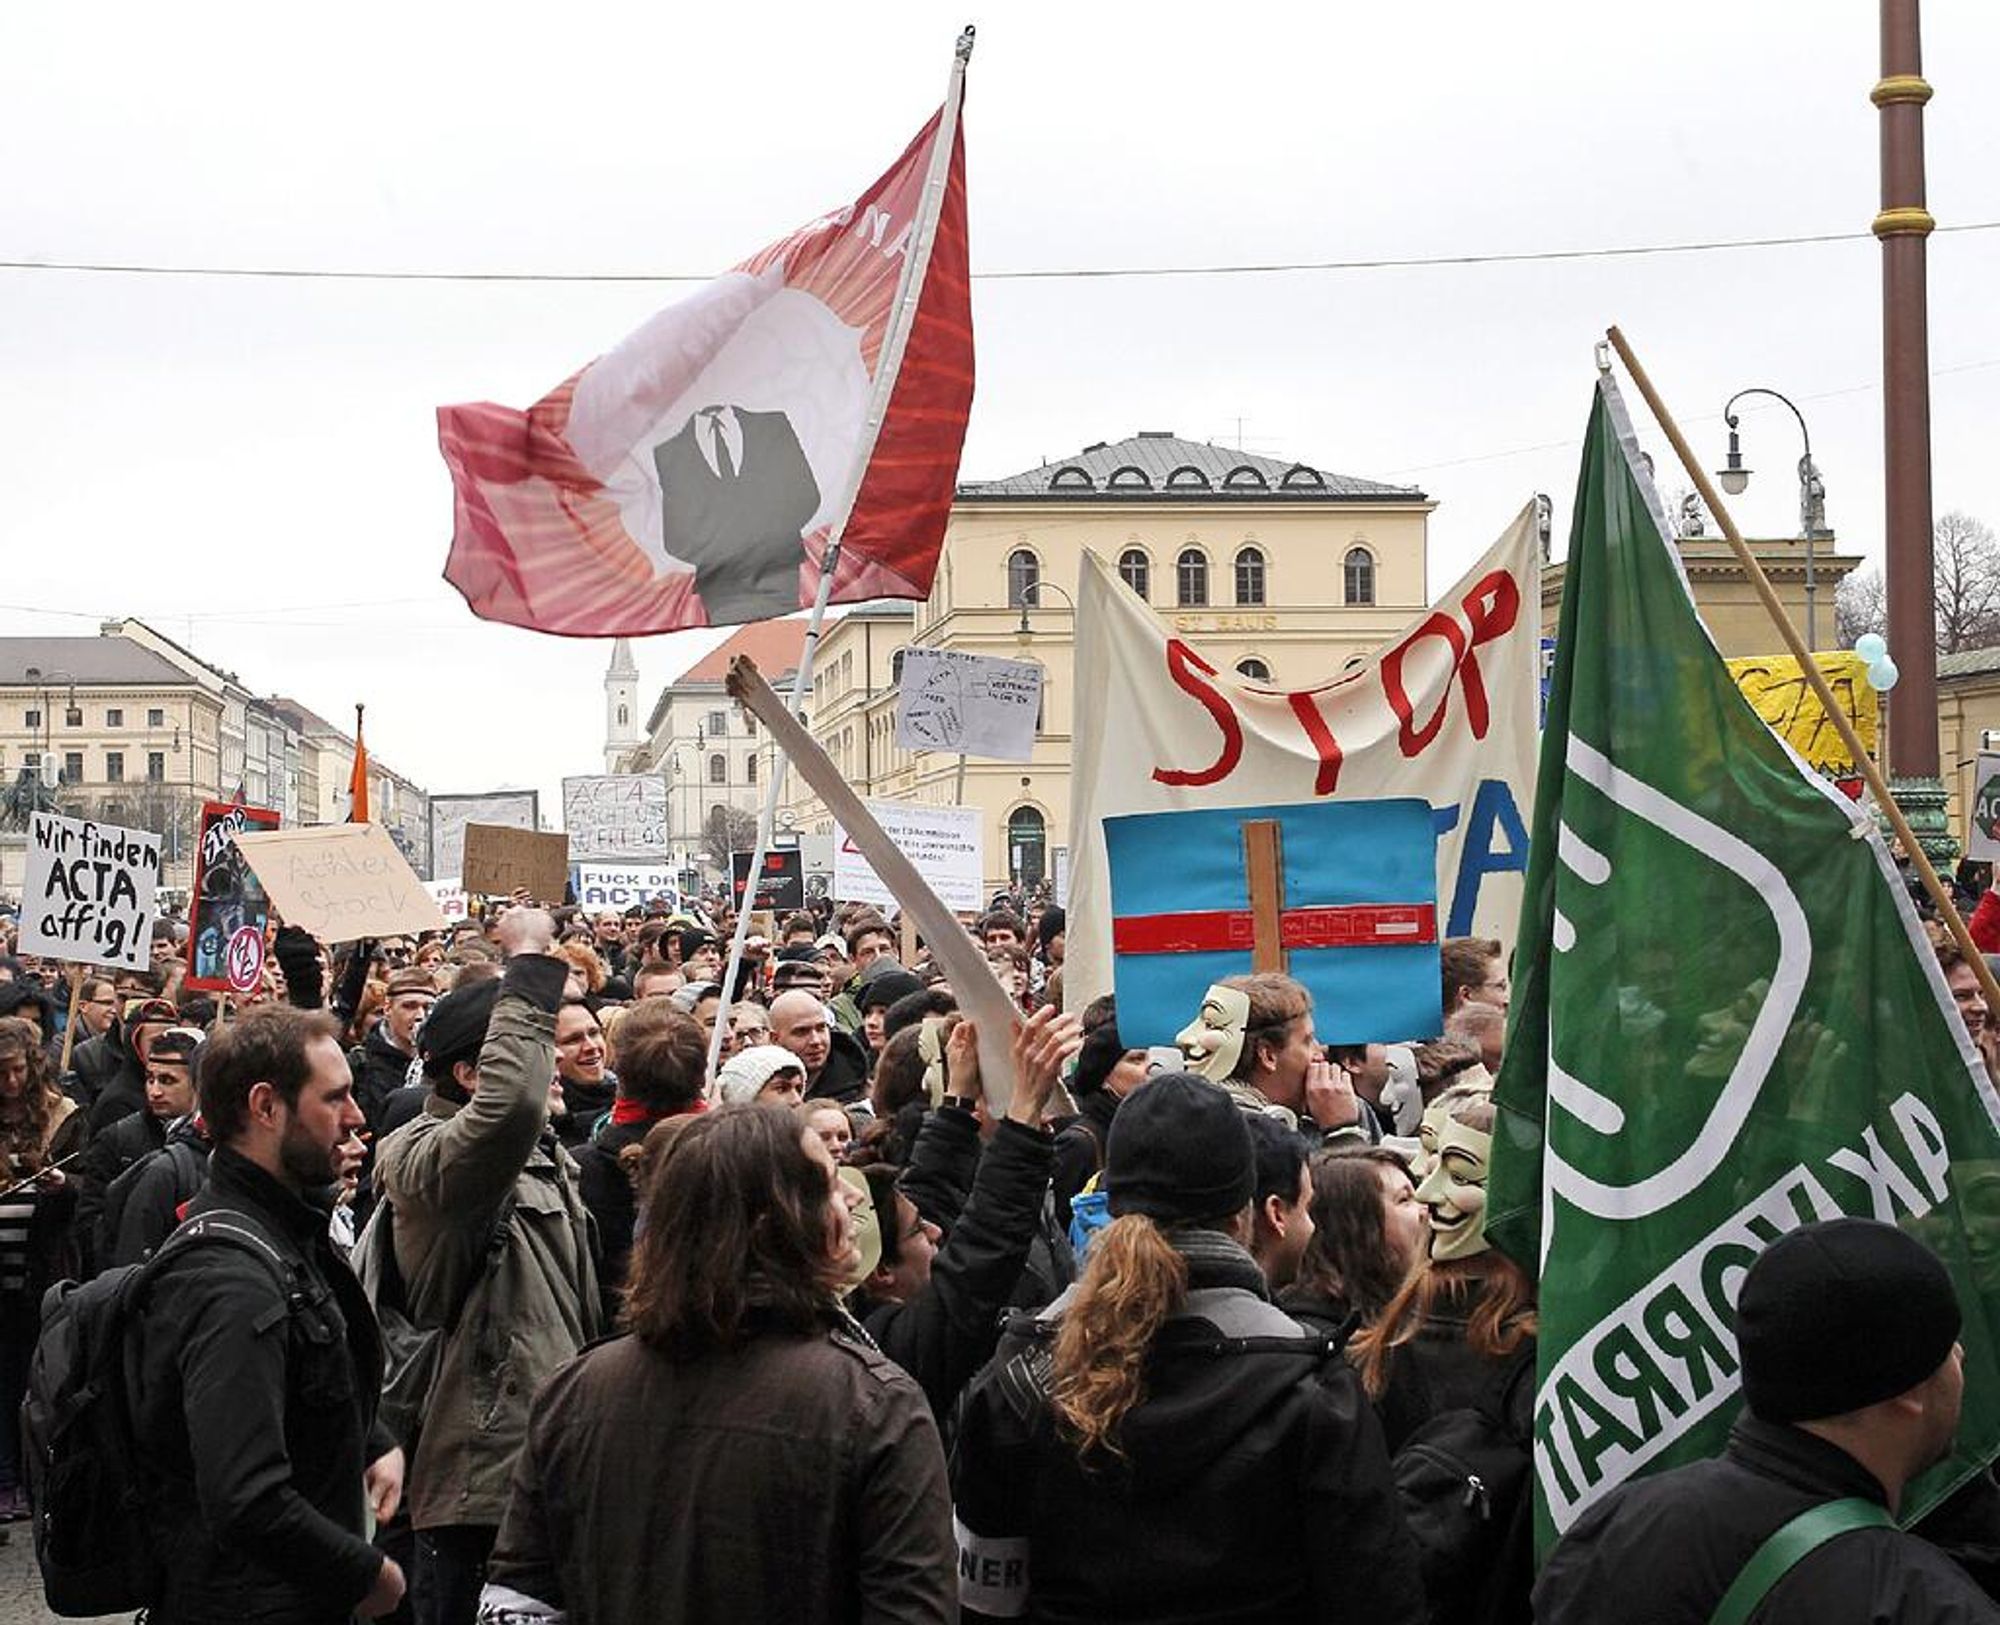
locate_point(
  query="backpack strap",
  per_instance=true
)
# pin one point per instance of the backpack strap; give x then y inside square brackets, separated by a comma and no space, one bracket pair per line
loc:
[1794,1541]
[229,1228]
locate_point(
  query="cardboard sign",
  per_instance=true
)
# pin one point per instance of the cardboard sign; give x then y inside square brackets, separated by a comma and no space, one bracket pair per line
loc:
[227,896]
[601,886]
[1982,817]
[88,895]
[616,815]
[341,882]
[975,704]
[518,809]
[782,886]
[500,861]
[946,845]
[1778,689]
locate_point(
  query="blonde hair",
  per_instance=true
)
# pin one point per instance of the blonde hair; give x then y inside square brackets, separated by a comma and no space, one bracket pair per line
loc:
[584,960]
[1134,1282]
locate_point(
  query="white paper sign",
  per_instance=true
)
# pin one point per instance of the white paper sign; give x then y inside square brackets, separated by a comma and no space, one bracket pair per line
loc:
[975,704]
[601,886]
[1982,833]
[945,845]
[449,895]
[517,809]
[615,815]
[88,895]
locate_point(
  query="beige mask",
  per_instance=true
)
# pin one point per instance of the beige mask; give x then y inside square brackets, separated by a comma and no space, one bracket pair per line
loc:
[867,1225]
[1213,1041]
[1455,1191]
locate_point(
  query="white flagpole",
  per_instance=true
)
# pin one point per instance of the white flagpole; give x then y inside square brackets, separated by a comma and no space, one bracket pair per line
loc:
[889,364]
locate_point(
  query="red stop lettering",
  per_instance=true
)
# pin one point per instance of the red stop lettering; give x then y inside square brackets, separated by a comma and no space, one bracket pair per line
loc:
[1491,609]
[1188,669]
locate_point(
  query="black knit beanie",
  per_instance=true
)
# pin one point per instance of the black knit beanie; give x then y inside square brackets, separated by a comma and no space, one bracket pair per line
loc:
[1839,1315]
[1179,1153]
[1102,1050]
[455,1030]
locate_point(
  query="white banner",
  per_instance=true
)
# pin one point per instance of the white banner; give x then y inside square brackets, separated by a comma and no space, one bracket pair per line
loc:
[517,809]
[88,894]
[1445,711]
[945,845]
[615,815]
[975,704]
[602,886]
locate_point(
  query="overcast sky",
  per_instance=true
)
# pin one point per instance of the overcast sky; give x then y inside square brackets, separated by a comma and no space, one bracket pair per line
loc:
[251,463]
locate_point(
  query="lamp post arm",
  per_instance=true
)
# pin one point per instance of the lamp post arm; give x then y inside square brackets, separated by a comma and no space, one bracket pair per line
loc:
[1729,412]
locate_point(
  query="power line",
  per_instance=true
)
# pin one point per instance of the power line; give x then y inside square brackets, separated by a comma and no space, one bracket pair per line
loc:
[1043,274]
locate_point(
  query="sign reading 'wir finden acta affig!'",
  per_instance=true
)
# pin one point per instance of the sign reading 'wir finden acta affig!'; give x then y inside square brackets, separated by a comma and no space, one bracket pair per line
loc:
[89,891]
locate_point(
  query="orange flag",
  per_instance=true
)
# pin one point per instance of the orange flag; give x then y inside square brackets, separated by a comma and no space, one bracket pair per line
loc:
[357,782]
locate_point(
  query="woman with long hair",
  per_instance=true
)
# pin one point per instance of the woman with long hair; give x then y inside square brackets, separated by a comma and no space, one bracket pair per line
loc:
[1369,1232]
[743,1453]
[1163,1442]
[40,1127]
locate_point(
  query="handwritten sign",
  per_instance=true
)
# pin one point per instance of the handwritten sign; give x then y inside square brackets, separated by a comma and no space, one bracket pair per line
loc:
[500,861]
[1776,687]
[975,704]
[341,882]
[227,896]
[88,895]
[618,815]
[945,845]
[518,809]
[612,886]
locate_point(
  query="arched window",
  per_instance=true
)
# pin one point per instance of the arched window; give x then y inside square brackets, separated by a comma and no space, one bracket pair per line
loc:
[624,715]
[750,770]
[1250,576]
[896,666]
[1359,570]
[1254,669]
[1027,846]
[718,769]
[1024,580]
[1191,569]
[1136,571]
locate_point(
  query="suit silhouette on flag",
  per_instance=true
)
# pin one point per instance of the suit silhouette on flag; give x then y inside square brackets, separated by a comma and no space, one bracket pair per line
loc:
[736,494]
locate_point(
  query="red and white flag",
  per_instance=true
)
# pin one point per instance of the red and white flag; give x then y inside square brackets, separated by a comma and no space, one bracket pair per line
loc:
[695,475]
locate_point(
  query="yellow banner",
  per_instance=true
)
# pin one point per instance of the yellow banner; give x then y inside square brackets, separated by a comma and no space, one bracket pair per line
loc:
[1778,689]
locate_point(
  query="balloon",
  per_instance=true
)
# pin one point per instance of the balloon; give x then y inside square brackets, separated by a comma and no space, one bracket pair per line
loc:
[1882,674]
[1872,647]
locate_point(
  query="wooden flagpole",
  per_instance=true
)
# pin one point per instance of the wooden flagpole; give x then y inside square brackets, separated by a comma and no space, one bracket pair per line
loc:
[69,1026]
[1877,787]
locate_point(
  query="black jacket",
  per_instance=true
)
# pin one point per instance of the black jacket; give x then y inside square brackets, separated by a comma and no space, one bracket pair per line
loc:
[107,1074]
[585,1105]
[1080,1148]
[945,1333]
[844,1077]
[379,1069]
[162,1184]
[607,1191]
[1662,1550]
[259,1415]
[110,1152]
[1254,1487]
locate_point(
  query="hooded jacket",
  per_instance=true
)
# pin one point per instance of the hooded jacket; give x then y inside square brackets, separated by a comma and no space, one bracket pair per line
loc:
[844,1076]
[107,1076]
[528,1287]
[1253,1486]
[379,1069]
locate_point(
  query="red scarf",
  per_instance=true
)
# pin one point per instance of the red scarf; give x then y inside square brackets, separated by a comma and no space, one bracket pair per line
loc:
[625,1112]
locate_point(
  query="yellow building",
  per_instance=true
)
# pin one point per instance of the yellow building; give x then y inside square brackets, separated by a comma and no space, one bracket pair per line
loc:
[1282,570]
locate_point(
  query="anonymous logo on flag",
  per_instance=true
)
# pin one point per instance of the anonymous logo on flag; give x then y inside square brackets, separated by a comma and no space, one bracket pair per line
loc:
[698,473]
[1727,1023]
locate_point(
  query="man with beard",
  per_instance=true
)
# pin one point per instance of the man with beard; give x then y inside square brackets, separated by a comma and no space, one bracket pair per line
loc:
[259,1365]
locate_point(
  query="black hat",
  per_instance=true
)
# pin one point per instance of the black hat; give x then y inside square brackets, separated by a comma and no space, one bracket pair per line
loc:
[886,989]
[455,1029]
[798,953]
[1839,1315]
[695,938]
[1179,1152]
[1102,1050]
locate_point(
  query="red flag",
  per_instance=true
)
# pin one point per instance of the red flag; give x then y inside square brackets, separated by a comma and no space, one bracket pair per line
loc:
[694,475]
[357,781]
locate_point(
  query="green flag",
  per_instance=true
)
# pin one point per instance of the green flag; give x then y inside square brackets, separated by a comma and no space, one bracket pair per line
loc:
[1727,1023]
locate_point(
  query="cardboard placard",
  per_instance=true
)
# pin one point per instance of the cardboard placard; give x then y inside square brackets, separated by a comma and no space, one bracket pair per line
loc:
[615,815]
[979,705]
[946,845]
[227,895]
[1982,815]
[341,882]
[500,861]
[88,895]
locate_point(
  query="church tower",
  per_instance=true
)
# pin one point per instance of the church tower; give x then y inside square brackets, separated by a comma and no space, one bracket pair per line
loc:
[621,705]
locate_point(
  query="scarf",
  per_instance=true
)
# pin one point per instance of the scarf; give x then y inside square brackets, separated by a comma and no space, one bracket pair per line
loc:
[1213,1260]
[627,1112]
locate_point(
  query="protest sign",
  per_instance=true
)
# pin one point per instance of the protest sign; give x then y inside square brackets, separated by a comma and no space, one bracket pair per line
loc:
[88,895]
[1059,871]
[782,884]
[1982,833]
[341,882]
[975,704]
[632,885]
[449,895]
[946,845]
[227,896]
[617,815]
[518,809]
[1779,693]
[1445,711]
[243,960]
[500,861]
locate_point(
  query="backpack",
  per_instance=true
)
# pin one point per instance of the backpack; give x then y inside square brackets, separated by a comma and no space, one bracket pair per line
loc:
[1463,1480]
[190,1170]
[89,1494]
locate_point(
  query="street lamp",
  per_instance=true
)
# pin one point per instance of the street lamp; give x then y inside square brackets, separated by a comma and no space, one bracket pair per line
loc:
[1032,599]
[1735,477]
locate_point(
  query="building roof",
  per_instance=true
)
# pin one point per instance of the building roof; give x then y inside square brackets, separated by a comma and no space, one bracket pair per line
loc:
[87,660]
[774,645]
[1157,464]
[1968,663]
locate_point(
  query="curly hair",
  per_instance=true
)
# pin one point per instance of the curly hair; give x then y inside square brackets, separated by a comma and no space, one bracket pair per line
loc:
[25,1121]
[1348,1256]
[1134,1281]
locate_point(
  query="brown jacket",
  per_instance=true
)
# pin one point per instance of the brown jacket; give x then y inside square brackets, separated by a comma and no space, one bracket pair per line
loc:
[796,1479]
[533,1298]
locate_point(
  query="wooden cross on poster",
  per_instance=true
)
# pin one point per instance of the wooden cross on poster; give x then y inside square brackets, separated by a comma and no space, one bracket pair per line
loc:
[1264,864]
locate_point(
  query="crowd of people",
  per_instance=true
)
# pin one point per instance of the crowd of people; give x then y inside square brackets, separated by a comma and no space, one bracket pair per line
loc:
[551,1324]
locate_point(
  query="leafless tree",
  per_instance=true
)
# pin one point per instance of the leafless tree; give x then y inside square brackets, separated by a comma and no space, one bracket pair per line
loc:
[1860,605]
[730,829]
[1965,568]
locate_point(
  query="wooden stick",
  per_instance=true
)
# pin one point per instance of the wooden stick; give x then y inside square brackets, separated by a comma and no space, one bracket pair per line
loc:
[69,1026]
[1940,896]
